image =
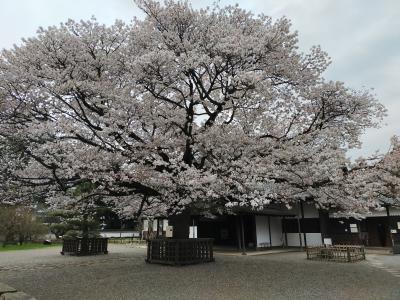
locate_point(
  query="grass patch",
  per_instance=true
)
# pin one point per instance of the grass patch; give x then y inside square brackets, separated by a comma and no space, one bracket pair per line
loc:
[27,246]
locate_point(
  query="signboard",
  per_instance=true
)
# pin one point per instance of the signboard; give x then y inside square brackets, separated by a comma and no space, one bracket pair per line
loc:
[398,225]
[146,225]
[169,231]
[165,224]
[192,232]
[327,241]
[155,225]
[353,228]
[393,230]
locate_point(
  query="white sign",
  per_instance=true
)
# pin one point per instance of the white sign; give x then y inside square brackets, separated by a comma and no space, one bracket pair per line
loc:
[393,231]
[327,241]
[169,231]
[145,225]
[398,225]
[192,232]
[165,224]
[155,223]
[353,228]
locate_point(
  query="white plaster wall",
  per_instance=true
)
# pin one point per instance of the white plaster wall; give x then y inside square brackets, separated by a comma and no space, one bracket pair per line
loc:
[314,239]
[277,237]
[111,234]
[262,230]
[276,231]
[293,239]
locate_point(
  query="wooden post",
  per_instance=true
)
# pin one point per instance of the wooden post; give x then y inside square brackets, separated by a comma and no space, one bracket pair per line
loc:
[238,232]
[176,252]
[389,225]
[148,251]
[243,237]
[269,231]
[299,227]
[284,231]
[302,218]
[254,221]
[387,210]
[348,254]
[324,223]
[210,248]
[158,228]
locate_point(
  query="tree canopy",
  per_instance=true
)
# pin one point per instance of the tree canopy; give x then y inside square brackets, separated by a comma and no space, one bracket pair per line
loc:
[214,108]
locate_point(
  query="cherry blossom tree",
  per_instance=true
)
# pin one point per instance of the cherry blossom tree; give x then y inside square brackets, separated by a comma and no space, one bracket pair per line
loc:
[375,179]
[209,108]
[385,172]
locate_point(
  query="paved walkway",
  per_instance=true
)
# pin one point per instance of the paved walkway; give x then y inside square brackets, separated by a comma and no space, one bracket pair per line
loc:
[388,263]
[123,274]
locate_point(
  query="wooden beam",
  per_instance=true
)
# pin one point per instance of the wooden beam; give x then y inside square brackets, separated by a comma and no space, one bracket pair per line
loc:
[269,231]
[389,223]
[158,228]
[243,237]
[255,231]
[302,218]
[324,223]
[299,228]
[239,239]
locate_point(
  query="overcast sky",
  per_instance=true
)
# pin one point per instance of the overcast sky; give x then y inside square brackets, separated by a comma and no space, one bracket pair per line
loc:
[361,36]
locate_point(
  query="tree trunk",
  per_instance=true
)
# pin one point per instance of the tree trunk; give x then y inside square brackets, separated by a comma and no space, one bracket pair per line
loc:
[324,223]
[85,228]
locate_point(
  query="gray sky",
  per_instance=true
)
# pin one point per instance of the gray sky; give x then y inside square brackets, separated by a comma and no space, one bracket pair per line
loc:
[361,36]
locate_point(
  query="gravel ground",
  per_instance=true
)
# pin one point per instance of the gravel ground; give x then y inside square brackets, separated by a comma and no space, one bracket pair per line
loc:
[123,274]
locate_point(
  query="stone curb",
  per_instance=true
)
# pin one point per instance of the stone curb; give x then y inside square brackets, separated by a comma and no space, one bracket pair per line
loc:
[4,288]
[9,293]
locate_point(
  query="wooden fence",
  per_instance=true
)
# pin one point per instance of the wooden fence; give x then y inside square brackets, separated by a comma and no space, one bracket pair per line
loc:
[82,246]
[179,251]
[339,253]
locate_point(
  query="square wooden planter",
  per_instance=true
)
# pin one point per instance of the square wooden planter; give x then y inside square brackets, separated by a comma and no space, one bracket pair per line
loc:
[180,251]
[85,246]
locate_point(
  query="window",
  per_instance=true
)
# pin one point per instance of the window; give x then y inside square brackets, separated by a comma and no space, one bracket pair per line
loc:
[192,232]
[353,228]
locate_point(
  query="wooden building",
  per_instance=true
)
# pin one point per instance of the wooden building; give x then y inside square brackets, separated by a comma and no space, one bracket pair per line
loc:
[278,226]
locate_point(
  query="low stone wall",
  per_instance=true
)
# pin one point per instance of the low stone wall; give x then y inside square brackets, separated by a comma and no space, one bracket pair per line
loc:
[339,253]
[9,293]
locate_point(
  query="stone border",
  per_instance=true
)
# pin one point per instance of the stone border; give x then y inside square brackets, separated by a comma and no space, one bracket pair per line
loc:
[9,293]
